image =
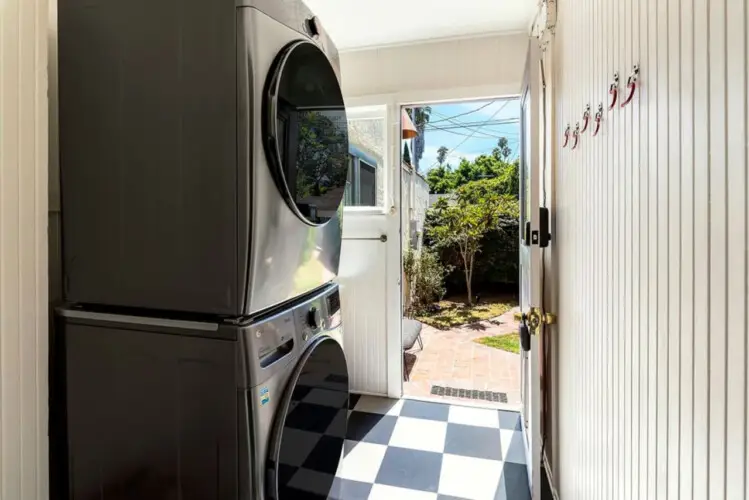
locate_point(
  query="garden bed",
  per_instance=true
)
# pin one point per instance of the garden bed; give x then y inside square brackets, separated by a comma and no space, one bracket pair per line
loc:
[453,311]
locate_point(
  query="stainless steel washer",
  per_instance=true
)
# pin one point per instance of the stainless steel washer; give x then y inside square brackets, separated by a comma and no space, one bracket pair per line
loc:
[297,398]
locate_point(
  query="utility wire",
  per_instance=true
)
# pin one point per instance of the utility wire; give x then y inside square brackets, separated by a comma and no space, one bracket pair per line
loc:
[494,123]
[462,114]
[451,119]
[483,135]
[468,137]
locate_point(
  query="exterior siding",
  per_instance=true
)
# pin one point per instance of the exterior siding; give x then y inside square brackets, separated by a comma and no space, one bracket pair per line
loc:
[651,249]
[23,250]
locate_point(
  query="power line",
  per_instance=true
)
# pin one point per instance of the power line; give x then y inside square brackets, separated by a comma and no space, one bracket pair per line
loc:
[483,135]
[493,123]
[511,135]
[468,124]
[468,137]
[462,114]
[475,125]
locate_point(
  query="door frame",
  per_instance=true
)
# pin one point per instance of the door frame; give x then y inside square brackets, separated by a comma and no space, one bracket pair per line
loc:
[394,103]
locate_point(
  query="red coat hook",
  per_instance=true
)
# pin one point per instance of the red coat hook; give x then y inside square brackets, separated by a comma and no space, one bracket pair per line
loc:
[586,118]
[577,135]
[631,85]
[614,91]
[597,119]
[566,136]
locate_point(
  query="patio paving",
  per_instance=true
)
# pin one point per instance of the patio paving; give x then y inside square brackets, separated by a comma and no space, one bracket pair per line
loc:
[452,358]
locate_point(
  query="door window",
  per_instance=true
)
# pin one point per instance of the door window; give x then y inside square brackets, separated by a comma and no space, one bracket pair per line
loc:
[306,135]
[367,150]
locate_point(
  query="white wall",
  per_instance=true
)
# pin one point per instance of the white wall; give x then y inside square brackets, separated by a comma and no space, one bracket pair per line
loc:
[484,66]
[651,235]
[23,250]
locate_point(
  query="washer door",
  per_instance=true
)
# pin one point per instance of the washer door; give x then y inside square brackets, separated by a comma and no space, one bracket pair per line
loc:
[310,425]
[305,131]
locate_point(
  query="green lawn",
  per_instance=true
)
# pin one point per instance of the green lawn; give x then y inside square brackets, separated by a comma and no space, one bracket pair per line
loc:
[454,312]
[509,342]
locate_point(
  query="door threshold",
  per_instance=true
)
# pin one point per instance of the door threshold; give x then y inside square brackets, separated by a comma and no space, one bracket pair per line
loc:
[471,403]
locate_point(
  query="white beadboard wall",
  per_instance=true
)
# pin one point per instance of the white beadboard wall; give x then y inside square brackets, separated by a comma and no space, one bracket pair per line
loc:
[23,250]
[651,240]
[438,70]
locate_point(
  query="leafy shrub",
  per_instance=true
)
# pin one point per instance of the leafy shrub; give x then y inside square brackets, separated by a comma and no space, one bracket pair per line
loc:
[425,280]
[497,252]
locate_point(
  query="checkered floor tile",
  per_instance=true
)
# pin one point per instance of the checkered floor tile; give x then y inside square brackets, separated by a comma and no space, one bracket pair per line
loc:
[408,449]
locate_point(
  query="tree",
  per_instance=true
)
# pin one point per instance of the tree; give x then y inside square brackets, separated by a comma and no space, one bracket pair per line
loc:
[441,180]
[464,221]
[442,155]
[503,150]
[321,155]
[420,117]
[406,154]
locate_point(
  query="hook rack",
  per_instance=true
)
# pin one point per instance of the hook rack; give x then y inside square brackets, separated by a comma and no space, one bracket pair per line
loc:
[631,85]
[597,119]
[586,118]
[614,91]
[566,136]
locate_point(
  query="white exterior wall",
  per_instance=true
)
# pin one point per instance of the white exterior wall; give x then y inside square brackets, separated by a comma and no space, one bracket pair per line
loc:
[469,68]
[23,250]
[651,241]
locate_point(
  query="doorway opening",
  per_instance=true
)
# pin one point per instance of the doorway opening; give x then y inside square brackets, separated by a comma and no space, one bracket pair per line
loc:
[460,242]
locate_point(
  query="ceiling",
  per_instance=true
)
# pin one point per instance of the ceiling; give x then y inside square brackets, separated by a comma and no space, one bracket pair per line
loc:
[354,24]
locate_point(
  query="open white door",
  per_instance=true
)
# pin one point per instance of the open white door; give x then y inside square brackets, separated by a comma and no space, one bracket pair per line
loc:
[369,273]
[532,238]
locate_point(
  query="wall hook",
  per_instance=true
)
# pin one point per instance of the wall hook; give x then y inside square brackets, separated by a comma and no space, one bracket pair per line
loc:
[576,134]
[597,119]
[566,136]
[631,85]
[614,91]
[586,118]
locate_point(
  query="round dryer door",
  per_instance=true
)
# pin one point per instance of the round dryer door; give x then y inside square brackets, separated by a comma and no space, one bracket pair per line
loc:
[305,132]
[310,425]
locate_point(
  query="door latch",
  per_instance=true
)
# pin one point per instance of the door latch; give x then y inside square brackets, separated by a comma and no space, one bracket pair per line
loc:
[534,318]
[523,332]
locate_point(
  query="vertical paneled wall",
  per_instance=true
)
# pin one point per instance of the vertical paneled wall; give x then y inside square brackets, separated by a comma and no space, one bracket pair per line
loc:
[23,250]
[651,235]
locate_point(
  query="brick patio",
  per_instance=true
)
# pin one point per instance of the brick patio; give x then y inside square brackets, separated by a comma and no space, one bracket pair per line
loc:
[452,358]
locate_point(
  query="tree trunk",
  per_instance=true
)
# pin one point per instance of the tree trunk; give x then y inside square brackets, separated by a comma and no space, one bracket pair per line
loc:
[469,279]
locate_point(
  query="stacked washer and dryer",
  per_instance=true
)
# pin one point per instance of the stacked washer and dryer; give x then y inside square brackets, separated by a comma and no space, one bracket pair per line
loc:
[203,157]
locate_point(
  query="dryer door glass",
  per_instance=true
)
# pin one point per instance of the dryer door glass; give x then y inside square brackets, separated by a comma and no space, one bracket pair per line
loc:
[305,131]
[310,425]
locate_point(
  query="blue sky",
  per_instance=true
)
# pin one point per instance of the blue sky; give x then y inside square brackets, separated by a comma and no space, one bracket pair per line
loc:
[480,142]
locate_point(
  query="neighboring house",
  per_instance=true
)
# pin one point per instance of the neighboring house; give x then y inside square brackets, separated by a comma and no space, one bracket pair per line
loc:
[366,181]
[414,203]
[434,198]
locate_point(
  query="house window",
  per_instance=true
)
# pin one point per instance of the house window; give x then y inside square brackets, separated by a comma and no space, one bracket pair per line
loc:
[365,185]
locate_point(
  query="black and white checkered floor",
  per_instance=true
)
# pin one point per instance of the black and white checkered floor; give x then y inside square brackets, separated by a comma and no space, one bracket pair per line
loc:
[408,449]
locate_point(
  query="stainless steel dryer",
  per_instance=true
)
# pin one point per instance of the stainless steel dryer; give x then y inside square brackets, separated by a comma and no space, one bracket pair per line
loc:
[203,154]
